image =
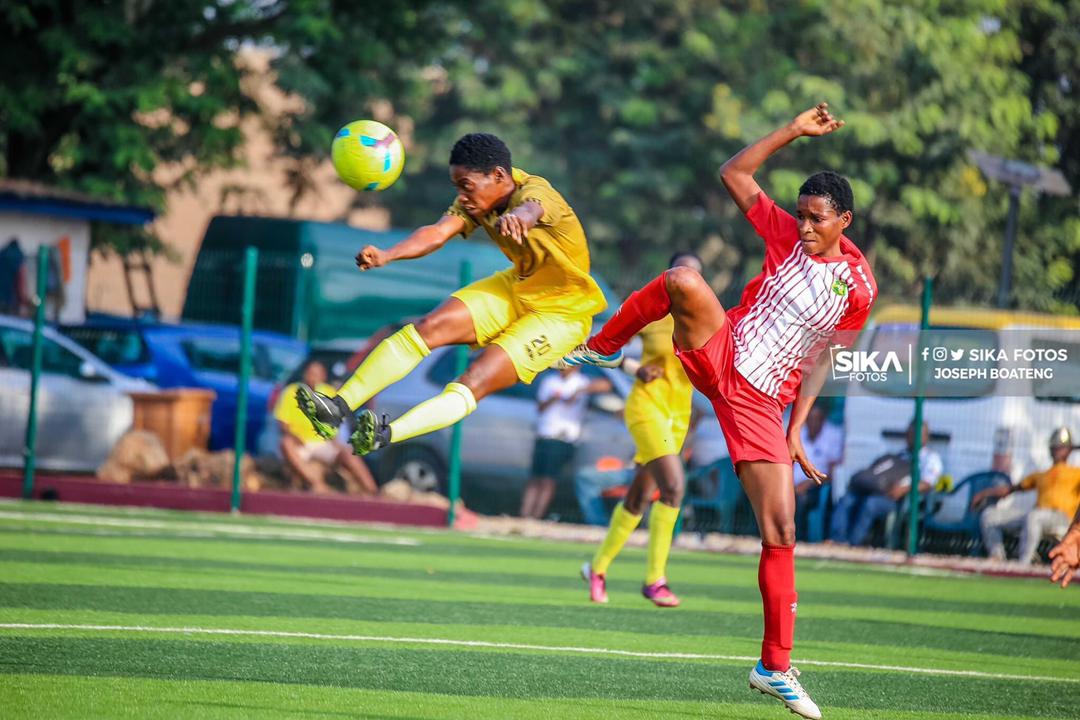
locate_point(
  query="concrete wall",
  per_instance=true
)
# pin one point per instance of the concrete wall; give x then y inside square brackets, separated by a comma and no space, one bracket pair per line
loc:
[33,231]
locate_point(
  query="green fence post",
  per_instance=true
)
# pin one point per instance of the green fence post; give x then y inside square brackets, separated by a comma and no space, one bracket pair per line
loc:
[453,480]
[251,263]
[30,451]
[916,471]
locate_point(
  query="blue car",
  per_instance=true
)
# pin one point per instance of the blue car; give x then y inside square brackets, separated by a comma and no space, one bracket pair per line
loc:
[195,355]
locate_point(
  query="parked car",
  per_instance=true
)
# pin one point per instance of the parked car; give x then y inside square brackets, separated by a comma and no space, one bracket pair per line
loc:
[83,406]
[497,439]
[195,355]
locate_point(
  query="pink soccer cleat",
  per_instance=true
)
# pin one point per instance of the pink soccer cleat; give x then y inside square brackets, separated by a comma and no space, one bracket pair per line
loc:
[597,584]
[660,594]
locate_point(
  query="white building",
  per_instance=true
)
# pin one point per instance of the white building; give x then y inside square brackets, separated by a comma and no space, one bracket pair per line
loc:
[33,215]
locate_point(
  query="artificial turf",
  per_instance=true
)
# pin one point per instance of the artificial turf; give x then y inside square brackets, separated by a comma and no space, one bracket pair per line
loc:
[113,613]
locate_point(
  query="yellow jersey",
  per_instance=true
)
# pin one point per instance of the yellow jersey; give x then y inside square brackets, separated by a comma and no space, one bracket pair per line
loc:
[671,393]
[287,411]
[552,265]
[1058,488]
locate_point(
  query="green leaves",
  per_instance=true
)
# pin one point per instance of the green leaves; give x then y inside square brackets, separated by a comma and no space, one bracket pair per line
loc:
[629,108]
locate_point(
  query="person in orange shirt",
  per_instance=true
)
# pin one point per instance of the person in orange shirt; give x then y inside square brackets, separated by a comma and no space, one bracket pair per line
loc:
[1058,497]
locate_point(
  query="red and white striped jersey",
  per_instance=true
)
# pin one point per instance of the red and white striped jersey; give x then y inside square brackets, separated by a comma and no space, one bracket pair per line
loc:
[797,306]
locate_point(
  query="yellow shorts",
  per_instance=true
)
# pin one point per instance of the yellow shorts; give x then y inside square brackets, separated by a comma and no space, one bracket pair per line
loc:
[657,428]
[533,340]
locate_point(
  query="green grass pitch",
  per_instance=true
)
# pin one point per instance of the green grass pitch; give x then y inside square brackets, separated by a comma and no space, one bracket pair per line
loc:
[108,613]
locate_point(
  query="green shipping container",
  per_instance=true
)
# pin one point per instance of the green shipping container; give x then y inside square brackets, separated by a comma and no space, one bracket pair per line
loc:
[308,285]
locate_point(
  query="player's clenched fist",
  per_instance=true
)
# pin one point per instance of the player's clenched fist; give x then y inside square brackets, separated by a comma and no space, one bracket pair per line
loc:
[648,373]
[513,227]
[370,257]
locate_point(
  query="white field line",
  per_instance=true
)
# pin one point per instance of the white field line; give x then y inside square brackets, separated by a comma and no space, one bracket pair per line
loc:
[279,533]
[521,646]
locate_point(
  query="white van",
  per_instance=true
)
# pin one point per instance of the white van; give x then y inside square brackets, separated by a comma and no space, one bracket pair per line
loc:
[987,430]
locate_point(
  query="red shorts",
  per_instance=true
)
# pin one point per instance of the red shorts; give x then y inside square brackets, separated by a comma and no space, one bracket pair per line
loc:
[752,422]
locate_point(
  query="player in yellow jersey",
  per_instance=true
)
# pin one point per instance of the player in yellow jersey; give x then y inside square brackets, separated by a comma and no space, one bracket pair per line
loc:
[525,317]
[657,416]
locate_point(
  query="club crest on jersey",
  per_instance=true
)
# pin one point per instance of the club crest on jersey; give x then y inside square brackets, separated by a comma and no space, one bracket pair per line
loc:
[839,287]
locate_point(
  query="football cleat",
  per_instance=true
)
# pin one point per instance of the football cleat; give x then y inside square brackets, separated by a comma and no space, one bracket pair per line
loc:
[596,582]
[370,434]
[660,594]
[784,686]
[583,355]
[325,413]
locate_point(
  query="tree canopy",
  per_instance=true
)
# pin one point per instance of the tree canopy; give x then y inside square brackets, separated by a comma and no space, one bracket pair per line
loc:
[629,108]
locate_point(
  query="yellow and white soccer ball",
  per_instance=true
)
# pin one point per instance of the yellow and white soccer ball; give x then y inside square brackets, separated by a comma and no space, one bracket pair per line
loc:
[367,155]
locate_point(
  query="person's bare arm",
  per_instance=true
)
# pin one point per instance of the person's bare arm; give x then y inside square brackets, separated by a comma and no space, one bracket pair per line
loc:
[517,223]
[998,491]
[545,404]
[420,242]
[1065,556]
[644,373]
[800,409]
[597,386]
[737,173]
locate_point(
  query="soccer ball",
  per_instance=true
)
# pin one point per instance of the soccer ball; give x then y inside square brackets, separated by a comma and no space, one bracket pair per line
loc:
[367,155]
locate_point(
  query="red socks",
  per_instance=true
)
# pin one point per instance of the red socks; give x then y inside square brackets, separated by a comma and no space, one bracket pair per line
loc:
[644,306]
[776,580]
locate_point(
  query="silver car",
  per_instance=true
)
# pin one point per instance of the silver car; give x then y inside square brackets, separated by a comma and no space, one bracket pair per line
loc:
[83,406]
[497,439]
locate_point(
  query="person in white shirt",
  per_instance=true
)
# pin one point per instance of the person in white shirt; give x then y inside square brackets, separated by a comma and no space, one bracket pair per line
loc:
[863,509]
[563,403]
[823,442]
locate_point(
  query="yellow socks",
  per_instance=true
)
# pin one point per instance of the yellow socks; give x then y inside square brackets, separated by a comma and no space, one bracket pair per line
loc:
[622,525]
[661,527]
[454,403]
[392,359]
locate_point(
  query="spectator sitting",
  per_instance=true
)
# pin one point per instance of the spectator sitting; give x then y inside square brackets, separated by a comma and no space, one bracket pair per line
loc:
[823,442]
[305,453]
[1058,494]
[877,490]
[563,403]
[591,482]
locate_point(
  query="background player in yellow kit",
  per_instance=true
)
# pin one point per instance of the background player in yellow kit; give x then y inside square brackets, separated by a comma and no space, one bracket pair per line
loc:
[657,416]
[525,317]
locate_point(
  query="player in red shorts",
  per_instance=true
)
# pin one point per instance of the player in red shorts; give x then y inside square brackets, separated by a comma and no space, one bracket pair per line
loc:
[815,289]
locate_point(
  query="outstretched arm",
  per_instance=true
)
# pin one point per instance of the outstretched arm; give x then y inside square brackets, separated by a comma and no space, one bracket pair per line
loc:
[738,172]
[420,242]
[998,491]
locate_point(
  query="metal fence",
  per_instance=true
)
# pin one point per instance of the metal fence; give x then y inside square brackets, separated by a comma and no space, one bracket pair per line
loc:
[83,429]
[980,440]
